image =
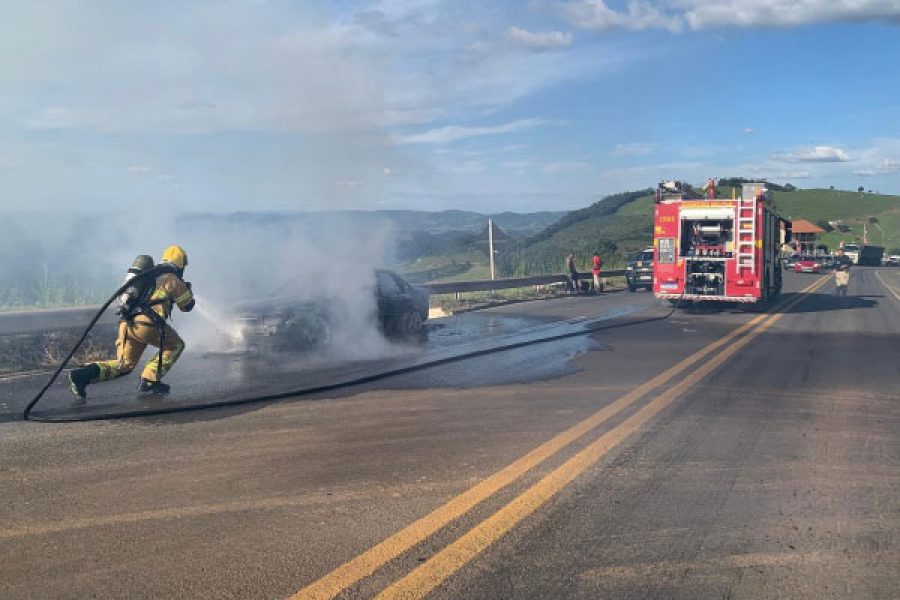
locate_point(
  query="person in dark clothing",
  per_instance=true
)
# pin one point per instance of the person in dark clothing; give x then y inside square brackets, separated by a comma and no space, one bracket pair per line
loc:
[572,270]
[841,260]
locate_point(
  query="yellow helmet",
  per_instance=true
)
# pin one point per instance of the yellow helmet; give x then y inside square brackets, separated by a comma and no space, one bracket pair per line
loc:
[175,255]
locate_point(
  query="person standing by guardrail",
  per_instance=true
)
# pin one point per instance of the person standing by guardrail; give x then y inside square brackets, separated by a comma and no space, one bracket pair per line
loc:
[572,270]
[597,262]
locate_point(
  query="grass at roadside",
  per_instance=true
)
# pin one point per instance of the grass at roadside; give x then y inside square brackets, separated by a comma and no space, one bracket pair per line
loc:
[36,352]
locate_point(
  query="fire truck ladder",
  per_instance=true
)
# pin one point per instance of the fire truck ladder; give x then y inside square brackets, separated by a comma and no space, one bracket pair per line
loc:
[746,227]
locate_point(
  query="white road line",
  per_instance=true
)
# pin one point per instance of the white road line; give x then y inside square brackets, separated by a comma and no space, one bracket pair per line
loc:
[888,286]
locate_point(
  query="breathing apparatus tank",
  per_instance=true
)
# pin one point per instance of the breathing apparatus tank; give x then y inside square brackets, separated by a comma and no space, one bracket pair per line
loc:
[139,292]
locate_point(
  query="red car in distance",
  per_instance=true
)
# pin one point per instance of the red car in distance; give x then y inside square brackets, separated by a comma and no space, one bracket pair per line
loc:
[807,264]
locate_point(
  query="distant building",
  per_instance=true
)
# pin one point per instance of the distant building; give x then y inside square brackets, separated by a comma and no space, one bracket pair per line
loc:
[806,235]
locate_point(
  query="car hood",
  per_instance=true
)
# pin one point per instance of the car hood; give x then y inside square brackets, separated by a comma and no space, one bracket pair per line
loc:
[269,306]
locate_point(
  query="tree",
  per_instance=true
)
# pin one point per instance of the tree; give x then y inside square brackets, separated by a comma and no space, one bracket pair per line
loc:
[873,219]
[790,188]
[860,189]
[825,225]
[831,187]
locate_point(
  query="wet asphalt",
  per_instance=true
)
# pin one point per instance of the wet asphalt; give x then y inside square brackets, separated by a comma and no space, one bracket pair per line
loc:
[774,476]
[234,374]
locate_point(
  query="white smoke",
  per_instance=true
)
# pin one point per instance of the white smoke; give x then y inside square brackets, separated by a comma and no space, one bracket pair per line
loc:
[244,260]
[326,258]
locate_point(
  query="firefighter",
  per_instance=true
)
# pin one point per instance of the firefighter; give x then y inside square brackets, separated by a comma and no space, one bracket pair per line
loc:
[146,325]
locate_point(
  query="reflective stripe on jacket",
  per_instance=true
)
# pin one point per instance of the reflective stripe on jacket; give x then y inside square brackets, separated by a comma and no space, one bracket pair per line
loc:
[170,289]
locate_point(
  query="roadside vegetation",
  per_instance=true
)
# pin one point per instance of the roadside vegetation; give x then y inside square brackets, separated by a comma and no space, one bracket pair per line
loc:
[42,351]
[48,289]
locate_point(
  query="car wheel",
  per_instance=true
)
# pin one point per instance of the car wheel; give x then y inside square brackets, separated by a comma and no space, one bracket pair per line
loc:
[411,323]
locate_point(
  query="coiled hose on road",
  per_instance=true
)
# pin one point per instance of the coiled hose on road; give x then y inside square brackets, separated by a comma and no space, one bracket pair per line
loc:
[146,412]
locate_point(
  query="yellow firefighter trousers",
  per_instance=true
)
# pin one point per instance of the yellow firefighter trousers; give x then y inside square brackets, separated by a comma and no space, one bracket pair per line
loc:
[130,345]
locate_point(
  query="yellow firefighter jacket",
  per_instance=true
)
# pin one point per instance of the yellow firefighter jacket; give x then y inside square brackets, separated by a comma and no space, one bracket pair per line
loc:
[171,289]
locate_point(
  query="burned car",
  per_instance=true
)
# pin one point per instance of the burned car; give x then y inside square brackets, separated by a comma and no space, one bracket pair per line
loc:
[291,321]
[282,325]
[402,307]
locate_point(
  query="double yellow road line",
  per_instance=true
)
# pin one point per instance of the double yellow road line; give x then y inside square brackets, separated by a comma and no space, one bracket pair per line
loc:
[448,561]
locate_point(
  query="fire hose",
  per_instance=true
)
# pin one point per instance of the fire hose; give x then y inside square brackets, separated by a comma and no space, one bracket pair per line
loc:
[145,412]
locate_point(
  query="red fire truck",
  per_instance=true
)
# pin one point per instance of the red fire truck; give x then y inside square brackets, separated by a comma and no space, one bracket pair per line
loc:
[717,249]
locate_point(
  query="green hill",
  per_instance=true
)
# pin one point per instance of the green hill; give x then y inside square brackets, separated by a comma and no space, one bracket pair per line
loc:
[879,212]
[616,227]
[619,225]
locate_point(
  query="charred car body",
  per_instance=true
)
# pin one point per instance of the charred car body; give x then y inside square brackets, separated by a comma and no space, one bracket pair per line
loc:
[284,322]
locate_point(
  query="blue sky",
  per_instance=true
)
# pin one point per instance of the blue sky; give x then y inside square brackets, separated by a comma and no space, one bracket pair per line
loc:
[434,104]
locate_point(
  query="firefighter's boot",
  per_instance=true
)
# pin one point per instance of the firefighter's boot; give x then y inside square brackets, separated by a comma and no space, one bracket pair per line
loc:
[80,378]
[153,387]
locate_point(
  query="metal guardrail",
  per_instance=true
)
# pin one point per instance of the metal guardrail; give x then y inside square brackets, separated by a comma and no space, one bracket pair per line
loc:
[38,321]
[487,285]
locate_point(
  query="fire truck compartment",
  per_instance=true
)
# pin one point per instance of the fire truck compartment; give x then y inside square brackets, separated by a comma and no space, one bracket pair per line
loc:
[707,238]
[705,278]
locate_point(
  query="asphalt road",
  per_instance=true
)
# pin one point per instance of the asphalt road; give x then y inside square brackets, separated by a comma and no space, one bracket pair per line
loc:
[712,454]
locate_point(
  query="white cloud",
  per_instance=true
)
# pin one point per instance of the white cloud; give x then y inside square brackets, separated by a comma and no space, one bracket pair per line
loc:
[814,155]
[596,15]
[704,14]
[140,169]
[540,40]
[112,70]
[633,149]
[452,133]
[749,130]
[865,172]
[888,165]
